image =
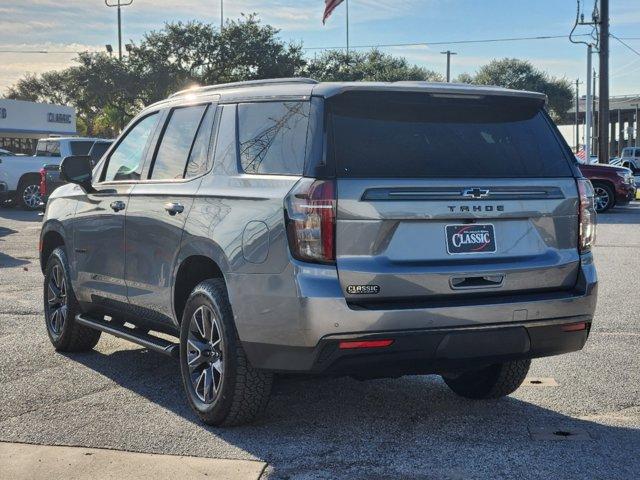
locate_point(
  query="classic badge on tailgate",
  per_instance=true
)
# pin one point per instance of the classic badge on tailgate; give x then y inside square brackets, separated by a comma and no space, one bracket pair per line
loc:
[470,238]
[363,289]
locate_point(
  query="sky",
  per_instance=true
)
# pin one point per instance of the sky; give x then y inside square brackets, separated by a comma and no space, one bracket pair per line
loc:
[78,25]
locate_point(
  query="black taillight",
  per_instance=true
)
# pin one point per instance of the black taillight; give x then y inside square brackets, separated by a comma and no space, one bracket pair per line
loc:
[310,214]
[586,215]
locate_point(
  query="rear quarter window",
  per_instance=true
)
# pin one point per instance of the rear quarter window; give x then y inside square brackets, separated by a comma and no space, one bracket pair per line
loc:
[273,136]
[414,135]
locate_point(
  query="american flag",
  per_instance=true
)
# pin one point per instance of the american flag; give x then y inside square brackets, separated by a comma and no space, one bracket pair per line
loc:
[330,6]
[582,154]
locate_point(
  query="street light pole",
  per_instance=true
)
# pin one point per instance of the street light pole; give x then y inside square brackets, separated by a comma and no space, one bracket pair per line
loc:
[347,28]
[221,15]
[119,4]
[448,53]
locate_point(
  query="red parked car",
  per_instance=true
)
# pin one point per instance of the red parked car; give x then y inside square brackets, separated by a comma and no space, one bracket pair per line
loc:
[613,185]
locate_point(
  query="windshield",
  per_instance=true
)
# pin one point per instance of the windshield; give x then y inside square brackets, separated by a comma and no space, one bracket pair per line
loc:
[416,135]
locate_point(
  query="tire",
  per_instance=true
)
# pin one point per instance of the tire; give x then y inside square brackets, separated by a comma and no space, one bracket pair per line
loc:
[232,392]
[495,381]
[28,193]
[61,308]
[604,197]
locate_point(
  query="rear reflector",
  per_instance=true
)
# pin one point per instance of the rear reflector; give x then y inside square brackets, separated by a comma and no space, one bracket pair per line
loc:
[346,345]
[574,327]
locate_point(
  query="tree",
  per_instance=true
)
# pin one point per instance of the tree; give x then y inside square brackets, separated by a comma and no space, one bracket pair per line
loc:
[337,65]
[107,92]
[522,75]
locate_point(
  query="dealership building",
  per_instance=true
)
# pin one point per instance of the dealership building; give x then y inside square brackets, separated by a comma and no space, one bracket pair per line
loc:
[23,123]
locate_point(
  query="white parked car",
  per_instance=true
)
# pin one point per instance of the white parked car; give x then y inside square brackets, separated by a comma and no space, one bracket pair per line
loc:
[20,175]
[630,158]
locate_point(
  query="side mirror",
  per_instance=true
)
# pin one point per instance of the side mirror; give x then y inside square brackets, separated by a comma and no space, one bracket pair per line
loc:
[77,169]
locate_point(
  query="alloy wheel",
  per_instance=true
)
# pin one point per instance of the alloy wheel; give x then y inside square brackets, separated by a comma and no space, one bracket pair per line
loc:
[57,300]
[601,199]
[205,354]
[31,196]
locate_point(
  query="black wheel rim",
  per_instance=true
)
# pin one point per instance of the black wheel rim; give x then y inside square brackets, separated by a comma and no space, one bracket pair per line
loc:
[56,300]
[601,198]
[205,354]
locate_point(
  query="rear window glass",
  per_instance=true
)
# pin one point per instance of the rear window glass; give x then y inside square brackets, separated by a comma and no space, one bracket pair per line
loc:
[48,149]
[273,137]
[414,135]
[81,147]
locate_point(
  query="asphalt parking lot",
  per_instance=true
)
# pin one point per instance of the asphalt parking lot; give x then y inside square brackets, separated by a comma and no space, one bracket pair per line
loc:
[125,398]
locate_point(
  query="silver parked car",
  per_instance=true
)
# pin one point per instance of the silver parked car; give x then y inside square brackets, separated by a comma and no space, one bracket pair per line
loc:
[367,229]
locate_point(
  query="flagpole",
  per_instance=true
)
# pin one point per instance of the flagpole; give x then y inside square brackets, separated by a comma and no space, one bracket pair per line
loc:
[347,28]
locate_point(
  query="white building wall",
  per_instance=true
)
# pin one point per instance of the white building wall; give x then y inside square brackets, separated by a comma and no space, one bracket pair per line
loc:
[29,119]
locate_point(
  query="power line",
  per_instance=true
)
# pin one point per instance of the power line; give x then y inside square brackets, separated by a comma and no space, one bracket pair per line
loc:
[625,44]
[452,42]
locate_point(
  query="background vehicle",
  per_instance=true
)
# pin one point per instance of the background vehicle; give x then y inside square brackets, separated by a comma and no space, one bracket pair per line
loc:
[50,173]
[6,153]
[613,185]
[20,175]
[630,158]
[221,218]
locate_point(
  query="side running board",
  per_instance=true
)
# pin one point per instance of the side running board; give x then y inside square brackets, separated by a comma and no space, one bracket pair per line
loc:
[150,342]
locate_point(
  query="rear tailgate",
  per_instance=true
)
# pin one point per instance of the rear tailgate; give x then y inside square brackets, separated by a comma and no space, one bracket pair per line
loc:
[437,200]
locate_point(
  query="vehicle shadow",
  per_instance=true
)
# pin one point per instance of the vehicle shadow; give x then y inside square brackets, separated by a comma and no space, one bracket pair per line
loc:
[410,428]
[18,215]
[7,261]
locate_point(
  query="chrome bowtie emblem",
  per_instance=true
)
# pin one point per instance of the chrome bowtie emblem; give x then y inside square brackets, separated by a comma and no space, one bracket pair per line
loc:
[476,193]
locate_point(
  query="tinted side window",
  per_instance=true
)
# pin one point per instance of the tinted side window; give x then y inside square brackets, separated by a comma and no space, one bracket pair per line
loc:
[273,137]
[226,153]
[125,163]
[98,149]
[198,159]
[174,148]
[80,148]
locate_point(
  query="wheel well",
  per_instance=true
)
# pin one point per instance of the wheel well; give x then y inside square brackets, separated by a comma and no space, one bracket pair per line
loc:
[27,176]
[50,242]
[611,186]
[192,271]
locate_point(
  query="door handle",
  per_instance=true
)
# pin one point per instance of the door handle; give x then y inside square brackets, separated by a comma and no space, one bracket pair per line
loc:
[117,205]
[173,208]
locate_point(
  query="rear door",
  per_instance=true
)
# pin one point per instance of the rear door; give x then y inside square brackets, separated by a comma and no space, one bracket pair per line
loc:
[450,197]
[159,206]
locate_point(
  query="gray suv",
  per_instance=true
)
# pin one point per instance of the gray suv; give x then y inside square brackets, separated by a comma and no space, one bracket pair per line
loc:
[364,229]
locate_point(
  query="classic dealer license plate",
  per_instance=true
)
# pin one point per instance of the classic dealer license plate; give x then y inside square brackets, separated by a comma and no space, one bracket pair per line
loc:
[470,238]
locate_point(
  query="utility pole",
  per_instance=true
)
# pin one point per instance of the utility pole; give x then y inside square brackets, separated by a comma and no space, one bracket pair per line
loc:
[603,115]
[594,136]
[448,53]
[588,106]
[221,15]
[577,115]
[119,4]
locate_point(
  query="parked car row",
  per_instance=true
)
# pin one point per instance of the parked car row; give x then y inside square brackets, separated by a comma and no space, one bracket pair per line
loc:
[20,176]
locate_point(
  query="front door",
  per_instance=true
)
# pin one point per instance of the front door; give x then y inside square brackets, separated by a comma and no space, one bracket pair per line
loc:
[158,209]
[99,223]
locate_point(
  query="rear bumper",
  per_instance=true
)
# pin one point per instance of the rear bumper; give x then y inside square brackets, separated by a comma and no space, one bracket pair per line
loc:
[415,352]
[286,320]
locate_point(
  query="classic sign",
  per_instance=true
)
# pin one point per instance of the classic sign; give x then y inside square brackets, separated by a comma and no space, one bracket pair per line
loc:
[470,238]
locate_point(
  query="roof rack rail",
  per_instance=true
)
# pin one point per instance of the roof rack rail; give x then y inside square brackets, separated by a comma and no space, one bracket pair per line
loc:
[248,83]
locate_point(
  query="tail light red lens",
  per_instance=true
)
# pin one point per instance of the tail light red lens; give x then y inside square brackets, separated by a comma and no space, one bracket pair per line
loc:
[43,181]
[586,215]
[351,344]
[310,214]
